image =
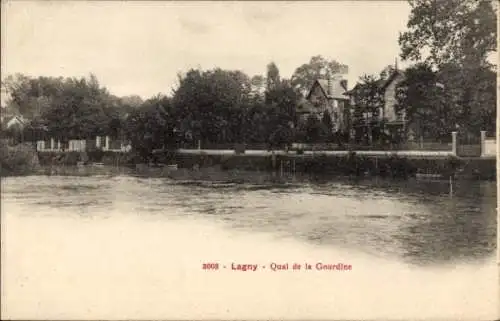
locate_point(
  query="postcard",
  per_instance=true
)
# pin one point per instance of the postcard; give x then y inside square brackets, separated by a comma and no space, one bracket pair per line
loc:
[271,160]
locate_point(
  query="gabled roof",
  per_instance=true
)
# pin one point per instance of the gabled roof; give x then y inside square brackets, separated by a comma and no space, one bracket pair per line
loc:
[338,86]
[17,118]
[381,83]
[384,83]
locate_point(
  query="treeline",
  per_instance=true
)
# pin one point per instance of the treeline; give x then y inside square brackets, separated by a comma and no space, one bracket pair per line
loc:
[451,86]
[208,107]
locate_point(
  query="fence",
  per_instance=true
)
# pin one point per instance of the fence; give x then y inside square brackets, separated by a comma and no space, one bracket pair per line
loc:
[488,145]
[82,145]
[422,146]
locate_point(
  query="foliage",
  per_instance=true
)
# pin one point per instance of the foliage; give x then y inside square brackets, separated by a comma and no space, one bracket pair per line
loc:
[462,32]
[205,100]
[367,102]
[152,126]
[458,37]
[68,108]
[317,68]
[424,102]
[273,76]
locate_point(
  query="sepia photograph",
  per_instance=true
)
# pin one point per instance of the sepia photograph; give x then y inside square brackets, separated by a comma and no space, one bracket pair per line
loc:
[249,160]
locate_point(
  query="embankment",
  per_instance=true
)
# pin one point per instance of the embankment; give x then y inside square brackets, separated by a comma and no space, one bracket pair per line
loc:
[23,160]
[347,164]
[20,159]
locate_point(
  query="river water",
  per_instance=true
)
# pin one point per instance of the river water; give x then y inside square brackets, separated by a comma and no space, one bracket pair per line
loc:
[113,247]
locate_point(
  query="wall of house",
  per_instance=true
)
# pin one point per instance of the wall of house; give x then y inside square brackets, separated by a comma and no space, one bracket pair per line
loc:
[390,99]
[318,99]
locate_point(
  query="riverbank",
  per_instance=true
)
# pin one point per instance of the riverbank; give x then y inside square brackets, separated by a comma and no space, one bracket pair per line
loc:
[200,163]
[21,159]
[354,164]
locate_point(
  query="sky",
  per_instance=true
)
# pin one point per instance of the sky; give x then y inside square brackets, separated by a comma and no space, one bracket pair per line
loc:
[139,47]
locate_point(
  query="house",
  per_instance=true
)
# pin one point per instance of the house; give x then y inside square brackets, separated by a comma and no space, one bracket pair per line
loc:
[16,122]
[327,95]
[382,93]
[395,122]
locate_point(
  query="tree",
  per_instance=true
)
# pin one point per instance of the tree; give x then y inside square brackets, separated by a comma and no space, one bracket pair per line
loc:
[31,96]
[205,100]
[258,85]
[67,108]
[471,96]
[273,76]
[426,105]
[457,31]
[317,68]
[152,126]
[273,80]
[368,102]
[79,110]
[458,35]
[285,99]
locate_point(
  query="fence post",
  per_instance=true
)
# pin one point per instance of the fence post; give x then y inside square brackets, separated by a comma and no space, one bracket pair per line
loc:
[52,143]
[454,143]
[483,137]
[106,146]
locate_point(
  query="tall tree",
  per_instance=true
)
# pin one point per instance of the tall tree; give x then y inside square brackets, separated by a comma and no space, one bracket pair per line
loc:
[273,76]
[368,102]
[258,83]
[152,126]
[427,105]
[318,67]
[456,37]
[206,99]
[457,31]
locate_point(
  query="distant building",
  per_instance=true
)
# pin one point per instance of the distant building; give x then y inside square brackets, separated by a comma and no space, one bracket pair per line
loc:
[327,95]
[394,121]
[15,122]
[387,117]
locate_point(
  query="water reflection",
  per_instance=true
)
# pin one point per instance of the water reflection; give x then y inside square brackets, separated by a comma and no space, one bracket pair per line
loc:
[410,221]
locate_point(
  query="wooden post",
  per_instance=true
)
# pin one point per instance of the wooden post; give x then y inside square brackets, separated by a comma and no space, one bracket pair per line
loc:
[454,143]
[483,138]
[451,185]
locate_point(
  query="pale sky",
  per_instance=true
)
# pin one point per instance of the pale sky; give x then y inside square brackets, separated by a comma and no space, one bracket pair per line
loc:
[139,47]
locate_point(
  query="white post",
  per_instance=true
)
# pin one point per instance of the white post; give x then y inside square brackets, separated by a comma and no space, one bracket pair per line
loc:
[106,146]
[454,143]
[98,141]
[199,144]
[58,145]
[40,145]
[483,145]
[52,144]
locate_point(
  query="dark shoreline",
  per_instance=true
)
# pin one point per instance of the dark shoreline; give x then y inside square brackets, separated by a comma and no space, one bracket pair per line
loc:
[23,160]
